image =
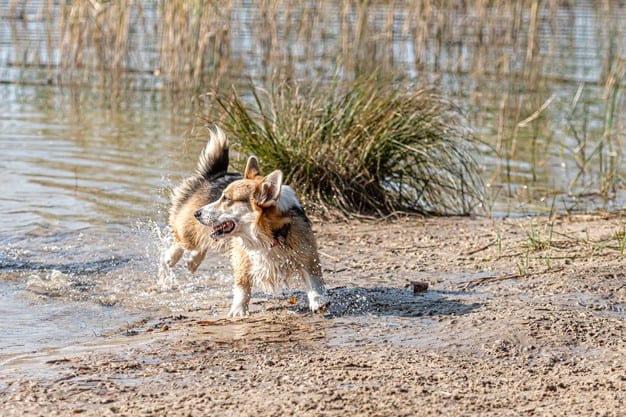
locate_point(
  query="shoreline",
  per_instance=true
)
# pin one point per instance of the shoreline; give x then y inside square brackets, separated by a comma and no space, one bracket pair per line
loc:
[522,316]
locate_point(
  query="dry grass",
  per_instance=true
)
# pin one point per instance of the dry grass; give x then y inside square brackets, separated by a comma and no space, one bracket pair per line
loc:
[367,147]
[193,44]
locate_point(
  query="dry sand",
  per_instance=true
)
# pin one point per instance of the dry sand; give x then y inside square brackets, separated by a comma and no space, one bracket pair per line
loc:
[522,317]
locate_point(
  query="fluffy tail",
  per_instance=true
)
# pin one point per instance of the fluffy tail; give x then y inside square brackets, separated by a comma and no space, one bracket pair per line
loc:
[214,157]
[213,162]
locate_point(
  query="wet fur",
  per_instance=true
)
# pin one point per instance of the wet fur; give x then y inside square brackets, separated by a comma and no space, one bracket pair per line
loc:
[206,185]
[271,242]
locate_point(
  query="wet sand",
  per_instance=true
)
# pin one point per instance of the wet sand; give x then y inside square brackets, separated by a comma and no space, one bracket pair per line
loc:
[521,317]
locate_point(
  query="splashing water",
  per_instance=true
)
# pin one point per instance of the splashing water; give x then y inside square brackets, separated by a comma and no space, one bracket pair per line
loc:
[55,290]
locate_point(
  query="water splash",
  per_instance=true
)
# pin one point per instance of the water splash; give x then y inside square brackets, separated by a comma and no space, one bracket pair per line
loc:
[53,282]
[113,267]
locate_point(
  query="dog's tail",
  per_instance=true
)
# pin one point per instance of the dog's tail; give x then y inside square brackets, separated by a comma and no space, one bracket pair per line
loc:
[213,162]
[214,157]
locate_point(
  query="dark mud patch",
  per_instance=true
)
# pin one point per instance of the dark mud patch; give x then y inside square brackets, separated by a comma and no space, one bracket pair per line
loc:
[385,301]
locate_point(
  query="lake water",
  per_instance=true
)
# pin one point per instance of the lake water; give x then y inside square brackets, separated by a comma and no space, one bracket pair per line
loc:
[85,174]
[82,209]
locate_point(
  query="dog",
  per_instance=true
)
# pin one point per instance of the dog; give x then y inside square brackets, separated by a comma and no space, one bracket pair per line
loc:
[257,218]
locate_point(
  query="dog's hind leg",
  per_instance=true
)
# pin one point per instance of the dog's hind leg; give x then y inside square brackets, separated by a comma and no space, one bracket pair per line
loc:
[196,258]
[316,292]
[173,254]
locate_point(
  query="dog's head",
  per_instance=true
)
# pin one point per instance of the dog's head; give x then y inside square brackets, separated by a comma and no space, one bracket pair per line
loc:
[242,202]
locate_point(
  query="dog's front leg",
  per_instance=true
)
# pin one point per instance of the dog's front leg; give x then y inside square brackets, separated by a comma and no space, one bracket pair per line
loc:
[196,258]
[316,292]
[242,291]
[172,255]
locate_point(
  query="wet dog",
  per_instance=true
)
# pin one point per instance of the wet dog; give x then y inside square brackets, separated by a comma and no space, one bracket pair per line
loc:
[257,218]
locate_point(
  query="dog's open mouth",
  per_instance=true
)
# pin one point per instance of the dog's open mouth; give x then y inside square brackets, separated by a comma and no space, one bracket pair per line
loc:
[223,229]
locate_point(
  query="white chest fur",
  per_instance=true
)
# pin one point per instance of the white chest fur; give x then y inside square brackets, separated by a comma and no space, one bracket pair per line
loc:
[270,267]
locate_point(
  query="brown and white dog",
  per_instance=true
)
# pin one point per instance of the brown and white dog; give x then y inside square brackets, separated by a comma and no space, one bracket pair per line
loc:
[258,218]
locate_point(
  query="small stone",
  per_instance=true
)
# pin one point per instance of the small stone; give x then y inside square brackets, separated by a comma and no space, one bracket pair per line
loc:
[419,286]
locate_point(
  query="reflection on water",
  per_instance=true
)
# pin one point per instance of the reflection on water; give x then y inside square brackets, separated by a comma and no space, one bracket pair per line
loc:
[71,164]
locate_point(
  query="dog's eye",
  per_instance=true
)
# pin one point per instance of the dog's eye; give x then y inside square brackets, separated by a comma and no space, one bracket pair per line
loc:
[224,198]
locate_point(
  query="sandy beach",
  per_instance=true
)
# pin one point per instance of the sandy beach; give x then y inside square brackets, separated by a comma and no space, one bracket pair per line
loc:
[521,317]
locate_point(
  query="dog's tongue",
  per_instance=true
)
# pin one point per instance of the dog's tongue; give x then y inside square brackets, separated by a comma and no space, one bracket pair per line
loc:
[228,227]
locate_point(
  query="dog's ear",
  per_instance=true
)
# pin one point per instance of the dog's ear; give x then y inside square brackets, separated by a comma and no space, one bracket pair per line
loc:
[252,168]
[268,191]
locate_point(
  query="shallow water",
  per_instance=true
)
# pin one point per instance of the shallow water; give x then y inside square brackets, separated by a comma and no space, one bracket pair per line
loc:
[32,322]
[82,210]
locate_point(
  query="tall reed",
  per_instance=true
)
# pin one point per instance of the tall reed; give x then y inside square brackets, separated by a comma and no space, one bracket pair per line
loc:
[192,44]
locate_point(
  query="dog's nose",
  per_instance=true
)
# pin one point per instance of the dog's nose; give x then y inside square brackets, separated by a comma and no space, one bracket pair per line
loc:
[197,214]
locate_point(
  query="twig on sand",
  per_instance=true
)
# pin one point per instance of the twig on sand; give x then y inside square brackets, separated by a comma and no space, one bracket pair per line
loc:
[328,256]
[485,280]
[480,249]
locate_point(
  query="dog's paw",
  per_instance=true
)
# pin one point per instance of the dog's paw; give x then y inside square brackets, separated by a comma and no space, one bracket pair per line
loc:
[241,301]
[195,259]
[238,311]
[172,256]
[318,303]
[192,265]
[164,267]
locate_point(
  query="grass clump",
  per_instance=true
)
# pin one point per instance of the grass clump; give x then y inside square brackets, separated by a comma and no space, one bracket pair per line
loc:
[364,147]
